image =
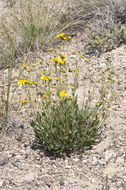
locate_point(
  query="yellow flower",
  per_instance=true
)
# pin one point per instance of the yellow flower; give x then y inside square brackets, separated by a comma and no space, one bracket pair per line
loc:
[63,93]
[60,35]
[56,59]
[65,38]
[74,51]
[40,61]
[25,66]
[61,61]
[43,77]
[110,60]
[24,101]
[107,63]
[63,56]
[50,49]
[36,83]
[57,79]
[21,82]
[69,37]
[33,65]
[47,63]
[49,78]
[109,74]
[44,96]
[48,100]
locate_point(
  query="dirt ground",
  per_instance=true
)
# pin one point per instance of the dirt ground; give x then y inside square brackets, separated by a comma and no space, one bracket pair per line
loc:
[23,166]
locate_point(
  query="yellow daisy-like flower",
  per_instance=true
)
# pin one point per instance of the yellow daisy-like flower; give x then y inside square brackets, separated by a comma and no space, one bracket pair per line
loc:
[24,101]
[62,61]
[21,82]
[49,78]
[44,96]
[25,66]
[110,60]
[109,74]
[47,63]
[50,49]
[63,56]
[56,59]
[74,51]
[69,37]
[63,93]
[60,35]
[36,83]
[43,77]
[57,79]
[65,38]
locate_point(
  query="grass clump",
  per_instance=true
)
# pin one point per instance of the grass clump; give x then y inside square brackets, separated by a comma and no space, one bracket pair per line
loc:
[64,128]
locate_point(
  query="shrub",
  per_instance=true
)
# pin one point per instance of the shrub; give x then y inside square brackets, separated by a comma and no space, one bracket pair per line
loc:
[61,124]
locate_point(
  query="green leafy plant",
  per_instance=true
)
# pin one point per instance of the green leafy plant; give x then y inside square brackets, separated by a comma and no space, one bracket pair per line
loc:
[64,128]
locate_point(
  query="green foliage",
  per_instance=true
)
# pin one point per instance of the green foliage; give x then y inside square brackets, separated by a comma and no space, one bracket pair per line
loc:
[64,128]
[122,34]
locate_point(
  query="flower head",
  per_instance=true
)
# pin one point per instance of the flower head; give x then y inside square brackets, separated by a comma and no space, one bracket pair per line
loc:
[44,96]
[50,49]
[57,79]
[49,78]
[25,66]
[60,35]
[56,59]
[24,101]
[63,93]
[36,83]
[69,37]
[21,82]
[43,77]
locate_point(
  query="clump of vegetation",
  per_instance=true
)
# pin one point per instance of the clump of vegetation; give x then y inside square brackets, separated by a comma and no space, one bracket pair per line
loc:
[61,125]
[100,22]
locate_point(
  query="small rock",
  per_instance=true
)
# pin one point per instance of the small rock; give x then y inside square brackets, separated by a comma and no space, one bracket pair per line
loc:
[3,159]
[1,183]
[94,160]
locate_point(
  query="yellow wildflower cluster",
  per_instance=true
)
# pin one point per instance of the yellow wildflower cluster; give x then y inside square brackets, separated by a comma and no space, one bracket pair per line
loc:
[58,60]
[60,35]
